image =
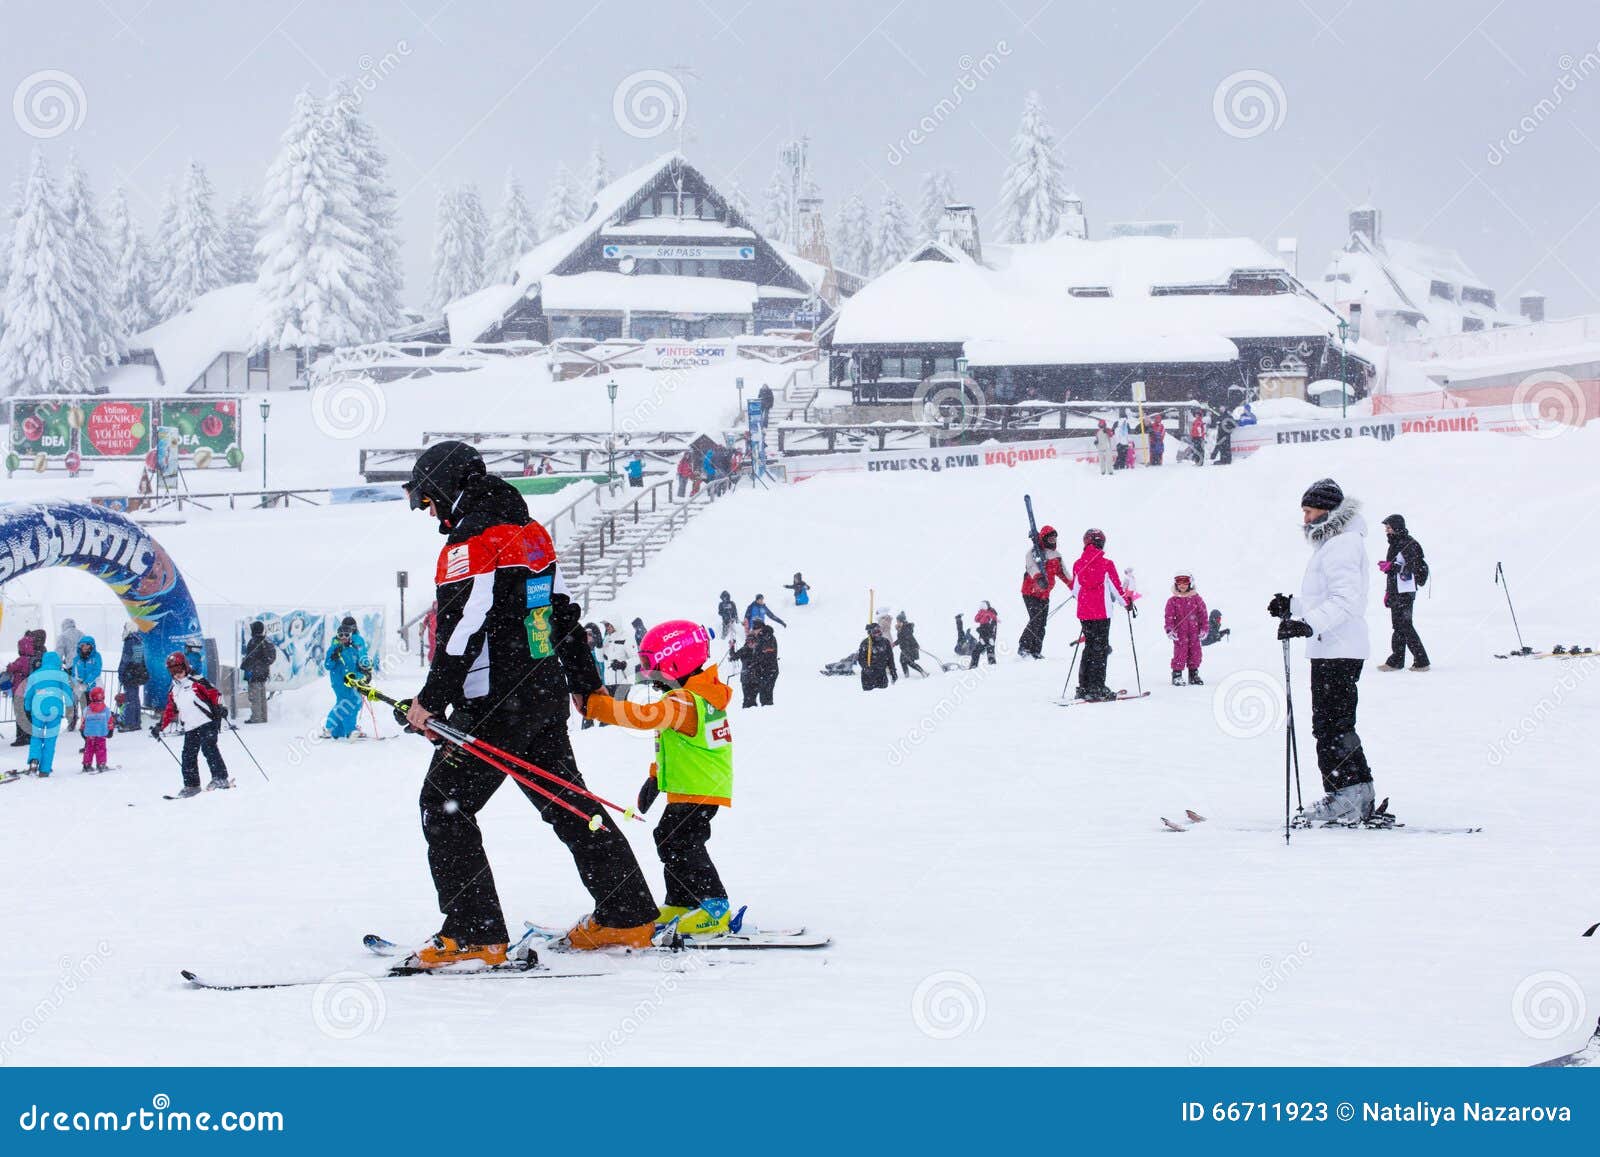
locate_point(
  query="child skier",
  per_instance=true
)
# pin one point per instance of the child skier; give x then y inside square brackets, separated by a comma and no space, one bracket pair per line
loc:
[988,627]
[198,706]
[801,589]
[1215,631]
[98,724]
[693,766]
[1186,622]
[48,701]
[347,656]
[87,667]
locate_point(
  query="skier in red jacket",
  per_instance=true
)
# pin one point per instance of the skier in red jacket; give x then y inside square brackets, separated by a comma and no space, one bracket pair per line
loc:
[1089,576]
[1037,584]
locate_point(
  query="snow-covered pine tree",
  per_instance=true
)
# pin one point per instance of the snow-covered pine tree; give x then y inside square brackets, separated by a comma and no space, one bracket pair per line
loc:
[737,201]
[104,338]
[240,232]
[315,282]
[596,177]
[895,234]
[377,201]
[197,255]
[130,265]
[513,232]
[42,345]
[164,245]
[852,240]
[561,210]
[777,208]
[937,191]
[1034,193]
[458,241]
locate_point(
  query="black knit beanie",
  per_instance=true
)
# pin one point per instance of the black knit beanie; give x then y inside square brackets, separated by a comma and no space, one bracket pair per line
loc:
[1324,494]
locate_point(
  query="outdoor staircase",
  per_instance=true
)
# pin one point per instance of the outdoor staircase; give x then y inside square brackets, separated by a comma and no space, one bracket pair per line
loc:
[603,549]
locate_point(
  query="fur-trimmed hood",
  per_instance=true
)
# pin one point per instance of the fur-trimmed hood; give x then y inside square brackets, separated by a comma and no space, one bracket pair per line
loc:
[1345,516]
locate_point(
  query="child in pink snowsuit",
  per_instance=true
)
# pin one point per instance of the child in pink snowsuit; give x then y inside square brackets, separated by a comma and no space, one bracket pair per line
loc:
[1186,623]
[98,724]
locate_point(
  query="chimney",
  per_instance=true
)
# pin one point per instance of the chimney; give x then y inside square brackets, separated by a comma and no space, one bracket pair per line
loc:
[1531,306]
[959,228]
[1353,331]
[1368,222]
[1289,254]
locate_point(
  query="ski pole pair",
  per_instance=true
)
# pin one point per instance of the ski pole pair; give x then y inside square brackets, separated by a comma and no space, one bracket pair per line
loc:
[500,759]
[162,739]
[1291,746]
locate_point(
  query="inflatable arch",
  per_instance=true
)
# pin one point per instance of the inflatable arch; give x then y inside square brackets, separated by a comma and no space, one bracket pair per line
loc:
[121,554]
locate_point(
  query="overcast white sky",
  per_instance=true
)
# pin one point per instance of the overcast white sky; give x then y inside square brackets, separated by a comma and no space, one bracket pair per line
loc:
[1407,103]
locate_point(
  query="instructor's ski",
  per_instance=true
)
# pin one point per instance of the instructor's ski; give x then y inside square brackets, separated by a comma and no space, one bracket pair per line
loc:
[1119,697]
[1589,1054]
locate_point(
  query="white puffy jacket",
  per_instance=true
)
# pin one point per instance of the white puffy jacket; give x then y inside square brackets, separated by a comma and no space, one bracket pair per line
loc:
[1333,594]
[619,648]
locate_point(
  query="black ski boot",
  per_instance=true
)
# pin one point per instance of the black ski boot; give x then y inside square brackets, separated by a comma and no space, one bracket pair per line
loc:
[1177,678]
[1194,677]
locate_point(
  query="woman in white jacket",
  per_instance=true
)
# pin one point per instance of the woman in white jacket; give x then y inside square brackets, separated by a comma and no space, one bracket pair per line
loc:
[620,658]
[1331,613]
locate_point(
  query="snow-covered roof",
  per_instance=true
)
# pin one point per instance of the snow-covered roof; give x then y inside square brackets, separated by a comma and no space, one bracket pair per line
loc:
[219,322]
[603,290]
[469,316]
[1019,304]
[1395,276]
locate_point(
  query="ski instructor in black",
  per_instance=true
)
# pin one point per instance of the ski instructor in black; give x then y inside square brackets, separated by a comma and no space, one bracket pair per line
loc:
[511,653]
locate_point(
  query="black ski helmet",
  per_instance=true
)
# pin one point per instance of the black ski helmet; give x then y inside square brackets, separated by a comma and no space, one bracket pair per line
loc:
[439,475]
[1095,538]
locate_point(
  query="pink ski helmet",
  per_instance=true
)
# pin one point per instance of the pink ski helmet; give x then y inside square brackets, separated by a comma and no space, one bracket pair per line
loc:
[674,650]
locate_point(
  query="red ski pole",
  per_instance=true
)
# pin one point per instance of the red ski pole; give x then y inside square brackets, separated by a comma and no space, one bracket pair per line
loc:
[596,824]
[474,743]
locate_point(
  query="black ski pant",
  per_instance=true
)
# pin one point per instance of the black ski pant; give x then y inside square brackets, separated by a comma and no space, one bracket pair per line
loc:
[1032,641]
[985,647]
[1333,723]
[681,839]
[1096,650]
[457,787]
[198,741]
[1401,609]
[758,690]
[907,664]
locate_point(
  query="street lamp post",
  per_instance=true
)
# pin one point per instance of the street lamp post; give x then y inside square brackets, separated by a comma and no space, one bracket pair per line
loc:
[1344,390]
[266,408]
[739,382]
[611,445]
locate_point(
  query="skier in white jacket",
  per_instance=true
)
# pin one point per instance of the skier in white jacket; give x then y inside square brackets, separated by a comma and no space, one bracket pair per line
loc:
[1331,614]
[620,658]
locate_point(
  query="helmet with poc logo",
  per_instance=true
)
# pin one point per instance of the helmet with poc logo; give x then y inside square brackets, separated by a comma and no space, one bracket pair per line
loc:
[674,650]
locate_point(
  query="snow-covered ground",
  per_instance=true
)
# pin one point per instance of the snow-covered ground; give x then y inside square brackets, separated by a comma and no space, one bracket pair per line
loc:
[990,865]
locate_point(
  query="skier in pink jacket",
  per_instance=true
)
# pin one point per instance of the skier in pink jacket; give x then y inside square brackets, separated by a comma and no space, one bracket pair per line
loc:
[1187,620]
[1089,576]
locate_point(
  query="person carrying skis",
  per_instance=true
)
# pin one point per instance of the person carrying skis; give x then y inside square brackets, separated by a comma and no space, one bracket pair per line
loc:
[347,656]
[1405,569]
[1186,621]
[132,675]
[196,704]
[988,628]
[1330,613]
[256,663]
[875,657]
[1040,572]
[801,589]
[1090,574]
[905,638]
[511,657]
[693,767]
[759,612]
[758,665]
[98,724]
[47,702]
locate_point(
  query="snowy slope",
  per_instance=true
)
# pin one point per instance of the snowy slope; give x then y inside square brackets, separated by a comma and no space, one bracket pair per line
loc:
[972,847]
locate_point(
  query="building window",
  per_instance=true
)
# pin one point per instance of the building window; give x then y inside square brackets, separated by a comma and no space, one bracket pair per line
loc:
[691,206]
[1471,324]
[666,204]
[647,208]
[258,360]
[649,328]
[1441,291]
[708,211]
[1090,291]
[944,366]
[1477,295]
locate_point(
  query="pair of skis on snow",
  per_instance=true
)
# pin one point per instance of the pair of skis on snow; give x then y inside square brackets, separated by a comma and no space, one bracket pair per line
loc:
[541,955]
[1380,821]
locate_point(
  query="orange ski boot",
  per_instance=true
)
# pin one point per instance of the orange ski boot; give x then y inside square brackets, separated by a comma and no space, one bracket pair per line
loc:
[588,936]
[442,952]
